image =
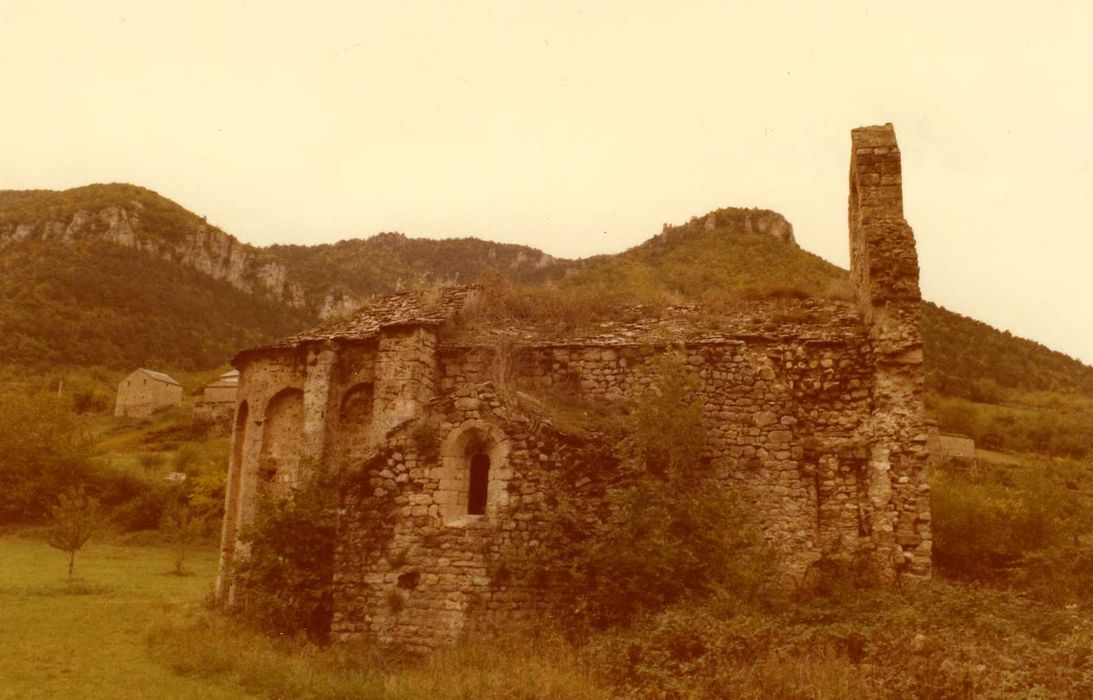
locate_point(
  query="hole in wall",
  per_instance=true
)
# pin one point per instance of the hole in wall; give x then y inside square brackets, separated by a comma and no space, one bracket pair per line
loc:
[409,580]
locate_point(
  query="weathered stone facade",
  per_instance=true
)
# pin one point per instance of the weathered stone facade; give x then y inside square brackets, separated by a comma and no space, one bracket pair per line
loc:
[144,392]
[813,411]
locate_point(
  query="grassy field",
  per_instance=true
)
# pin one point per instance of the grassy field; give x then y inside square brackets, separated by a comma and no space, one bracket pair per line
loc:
[86,639]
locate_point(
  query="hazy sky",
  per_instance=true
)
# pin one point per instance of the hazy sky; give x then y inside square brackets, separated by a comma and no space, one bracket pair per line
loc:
[580,127]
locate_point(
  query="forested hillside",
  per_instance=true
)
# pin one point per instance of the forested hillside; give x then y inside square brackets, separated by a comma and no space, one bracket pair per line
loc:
[161,217]
[388,262]
[970,359]
[93,303]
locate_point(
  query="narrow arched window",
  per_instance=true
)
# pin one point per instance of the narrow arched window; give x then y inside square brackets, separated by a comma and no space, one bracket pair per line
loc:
[479,484]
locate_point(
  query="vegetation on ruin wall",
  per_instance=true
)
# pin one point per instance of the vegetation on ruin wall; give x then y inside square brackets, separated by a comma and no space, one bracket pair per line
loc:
[936,641]
[100,304]
[664,535]
[284,585]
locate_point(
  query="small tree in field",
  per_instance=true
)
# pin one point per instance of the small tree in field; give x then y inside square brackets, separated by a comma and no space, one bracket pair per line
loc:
[76,517]
[181,529]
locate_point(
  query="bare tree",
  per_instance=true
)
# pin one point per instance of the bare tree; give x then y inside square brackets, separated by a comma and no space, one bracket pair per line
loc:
[76,517]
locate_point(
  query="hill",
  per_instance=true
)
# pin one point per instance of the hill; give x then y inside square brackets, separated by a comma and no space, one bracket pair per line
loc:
[733,252]
[118,275]
[700,262]
[93,303]
[337,276]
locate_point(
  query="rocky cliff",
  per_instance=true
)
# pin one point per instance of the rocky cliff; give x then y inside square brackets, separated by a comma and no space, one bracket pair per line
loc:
[137,218]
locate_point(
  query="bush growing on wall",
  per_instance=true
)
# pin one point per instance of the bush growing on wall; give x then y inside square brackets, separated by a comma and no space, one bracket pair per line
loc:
[668,533]
[285,581]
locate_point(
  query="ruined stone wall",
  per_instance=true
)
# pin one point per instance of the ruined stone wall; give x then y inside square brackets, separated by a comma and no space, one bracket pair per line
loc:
[412,566]
[884,267]
[787,425]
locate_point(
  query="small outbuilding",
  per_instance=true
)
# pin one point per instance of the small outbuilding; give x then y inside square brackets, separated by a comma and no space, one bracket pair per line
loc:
[218,398]
[145,391]
[223,390]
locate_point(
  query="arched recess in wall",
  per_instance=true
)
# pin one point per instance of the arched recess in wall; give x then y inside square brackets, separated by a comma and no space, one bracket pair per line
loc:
[279,459]
[235,478]
[355,420]
[474,472]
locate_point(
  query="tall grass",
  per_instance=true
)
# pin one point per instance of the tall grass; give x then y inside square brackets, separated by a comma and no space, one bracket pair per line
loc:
[215,648]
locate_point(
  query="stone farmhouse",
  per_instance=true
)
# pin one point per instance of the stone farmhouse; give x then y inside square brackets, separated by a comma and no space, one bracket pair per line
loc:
[218,397]
[144,392]
[813,412]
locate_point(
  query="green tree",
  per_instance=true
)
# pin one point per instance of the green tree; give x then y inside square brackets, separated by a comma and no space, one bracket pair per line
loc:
[76,517]
[43,452]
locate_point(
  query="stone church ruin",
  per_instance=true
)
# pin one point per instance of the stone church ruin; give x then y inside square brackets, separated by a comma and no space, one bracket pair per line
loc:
[814,415]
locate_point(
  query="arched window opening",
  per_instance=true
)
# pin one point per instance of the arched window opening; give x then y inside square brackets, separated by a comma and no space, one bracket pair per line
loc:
[478,489]
[474,474]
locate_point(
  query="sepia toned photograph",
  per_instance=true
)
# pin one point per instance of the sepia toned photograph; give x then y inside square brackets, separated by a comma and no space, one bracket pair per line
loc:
[562,350]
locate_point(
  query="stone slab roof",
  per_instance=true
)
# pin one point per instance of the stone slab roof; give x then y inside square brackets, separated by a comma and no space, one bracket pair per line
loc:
[808,320]
[421,308]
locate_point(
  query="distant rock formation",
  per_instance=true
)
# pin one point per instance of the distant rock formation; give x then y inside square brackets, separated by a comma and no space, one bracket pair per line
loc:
[201,247]
[762,221]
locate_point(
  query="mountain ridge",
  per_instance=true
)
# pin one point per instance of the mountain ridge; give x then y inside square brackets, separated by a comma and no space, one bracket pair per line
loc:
[728,251]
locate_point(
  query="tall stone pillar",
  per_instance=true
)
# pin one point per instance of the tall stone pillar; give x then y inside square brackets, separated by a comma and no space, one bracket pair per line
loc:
[884,268]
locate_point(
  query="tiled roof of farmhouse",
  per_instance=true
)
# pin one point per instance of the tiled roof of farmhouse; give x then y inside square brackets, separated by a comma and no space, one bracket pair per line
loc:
[819,320]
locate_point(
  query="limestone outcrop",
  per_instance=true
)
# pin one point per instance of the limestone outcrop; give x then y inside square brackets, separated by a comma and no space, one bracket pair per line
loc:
[200,246]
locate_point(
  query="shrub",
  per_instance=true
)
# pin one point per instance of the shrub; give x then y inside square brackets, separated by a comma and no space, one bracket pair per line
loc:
[43,452]
[285,580]
[989,519]
[669,532]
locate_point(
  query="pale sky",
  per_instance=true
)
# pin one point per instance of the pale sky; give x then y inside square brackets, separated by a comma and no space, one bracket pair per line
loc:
[580,127]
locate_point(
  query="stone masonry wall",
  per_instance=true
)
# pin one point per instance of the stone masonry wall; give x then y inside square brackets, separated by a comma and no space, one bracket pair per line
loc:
[884,267]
